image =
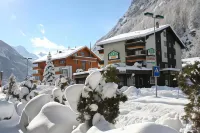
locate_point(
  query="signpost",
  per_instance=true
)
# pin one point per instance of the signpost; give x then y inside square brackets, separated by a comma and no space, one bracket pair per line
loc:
[156,73]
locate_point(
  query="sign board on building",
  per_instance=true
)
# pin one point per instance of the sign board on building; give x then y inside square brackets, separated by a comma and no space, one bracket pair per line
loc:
[151,51]
[151,60]
[113,55]
[156,71]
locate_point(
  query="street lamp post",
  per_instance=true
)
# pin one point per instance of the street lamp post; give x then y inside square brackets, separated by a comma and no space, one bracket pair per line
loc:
[148,14]
[27,59]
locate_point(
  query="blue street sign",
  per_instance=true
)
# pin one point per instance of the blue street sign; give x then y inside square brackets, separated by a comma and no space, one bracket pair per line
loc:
[156,71]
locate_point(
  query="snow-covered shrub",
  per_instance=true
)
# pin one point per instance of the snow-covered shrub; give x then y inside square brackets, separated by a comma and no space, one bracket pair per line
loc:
[189,82]
[53,118]
[6,110]
[100,97]
[60,85]
[32,108]
[12,88]
[110,74]
[49,72]
[27,90]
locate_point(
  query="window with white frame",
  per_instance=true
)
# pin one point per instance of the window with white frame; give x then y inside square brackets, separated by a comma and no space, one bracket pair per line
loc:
[165,54]
[164,33]
[35,65]
[37,77]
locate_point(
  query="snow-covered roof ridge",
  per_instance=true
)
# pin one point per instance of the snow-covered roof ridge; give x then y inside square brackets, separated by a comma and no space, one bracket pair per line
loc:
[64,53]
[136,34]
[131,35]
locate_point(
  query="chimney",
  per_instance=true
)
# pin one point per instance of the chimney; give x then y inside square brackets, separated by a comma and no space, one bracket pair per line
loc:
[157,25]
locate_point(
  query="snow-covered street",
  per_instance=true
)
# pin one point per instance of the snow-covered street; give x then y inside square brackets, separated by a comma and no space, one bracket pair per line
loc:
[141,107]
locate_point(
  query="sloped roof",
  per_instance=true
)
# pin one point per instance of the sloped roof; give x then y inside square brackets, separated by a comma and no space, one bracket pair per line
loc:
[64,54]
[137,34]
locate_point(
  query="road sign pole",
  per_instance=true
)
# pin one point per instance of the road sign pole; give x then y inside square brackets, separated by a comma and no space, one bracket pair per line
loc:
[156,83]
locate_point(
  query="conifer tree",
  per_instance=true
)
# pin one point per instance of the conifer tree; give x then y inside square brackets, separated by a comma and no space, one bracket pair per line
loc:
[94,103]
[49,72]
[12,88]
[110,74]
[189,82]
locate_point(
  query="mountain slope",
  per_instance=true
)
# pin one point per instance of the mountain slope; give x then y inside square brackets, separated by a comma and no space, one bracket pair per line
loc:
[22,51]
[182,15]
[12,62]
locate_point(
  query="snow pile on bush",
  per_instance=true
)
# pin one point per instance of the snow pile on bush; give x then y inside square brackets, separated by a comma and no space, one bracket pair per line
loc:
[53,118]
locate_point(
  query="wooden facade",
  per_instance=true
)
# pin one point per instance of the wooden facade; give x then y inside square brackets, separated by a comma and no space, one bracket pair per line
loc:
[81,59]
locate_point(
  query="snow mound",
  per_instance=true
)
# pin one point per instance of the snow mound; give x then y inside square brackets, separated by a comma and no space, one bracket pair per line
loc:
[57,94]
[6,110]
[131,90]
[172,120]
[142,128]
[53,118]
[136,128]
[32,108]
[72,94]
[82,128]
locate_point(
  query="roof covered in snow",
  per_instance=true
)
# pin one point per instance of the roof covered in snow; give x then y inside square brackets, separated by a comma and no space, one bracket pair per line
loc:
[136,34]
[62,54]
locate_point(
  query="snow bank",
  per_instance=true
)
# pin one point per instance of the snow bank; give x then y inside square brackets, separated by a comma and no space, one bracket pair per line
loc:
[172,120]
[57,94]
[138,128]
[53,118]
[6,110]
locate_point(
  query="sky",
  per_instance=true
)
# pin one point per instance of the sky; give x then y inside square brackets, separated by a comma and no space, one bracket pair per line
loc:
[46,25]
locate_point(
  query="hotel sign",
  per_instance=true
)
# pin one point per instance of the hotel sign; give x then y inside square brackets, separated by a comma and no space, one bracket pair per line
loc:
[113,55]
[151,60]
[151,51]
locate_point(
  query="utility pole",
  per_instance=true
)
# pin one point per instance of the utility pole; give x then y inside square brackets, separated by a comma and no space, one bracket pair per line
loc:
[148,14]
[27,59]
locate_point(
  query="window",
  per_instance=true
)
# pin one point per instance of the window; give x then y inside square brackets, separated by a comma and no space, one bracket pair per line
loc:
[165,43]
[170,56]
[35,65]
[76,54]
[174,56]
[82,54]
[76,61]
[37,77]
[169,44]
[83,65]
[164,33]
[165,55]
[166,65]
[35,71]
[62,61]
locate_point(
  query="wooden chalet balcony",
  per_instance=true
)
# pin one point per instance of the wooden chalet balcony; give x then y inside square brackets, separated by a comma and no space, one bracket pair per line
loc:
[136,58]
[135,45]
[83,58]
[36,74]
[36,68]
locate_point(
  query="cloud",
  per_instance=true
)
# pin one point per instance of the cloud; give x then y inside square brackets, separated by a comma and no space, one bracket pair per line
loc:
[13,17]
[41,28]
[45,43]
[22,33]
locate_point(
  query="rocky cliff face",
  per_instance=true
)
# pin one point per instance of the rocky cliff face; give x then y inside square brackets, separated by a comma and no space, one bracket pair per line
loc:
[12,62]
[182,15]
